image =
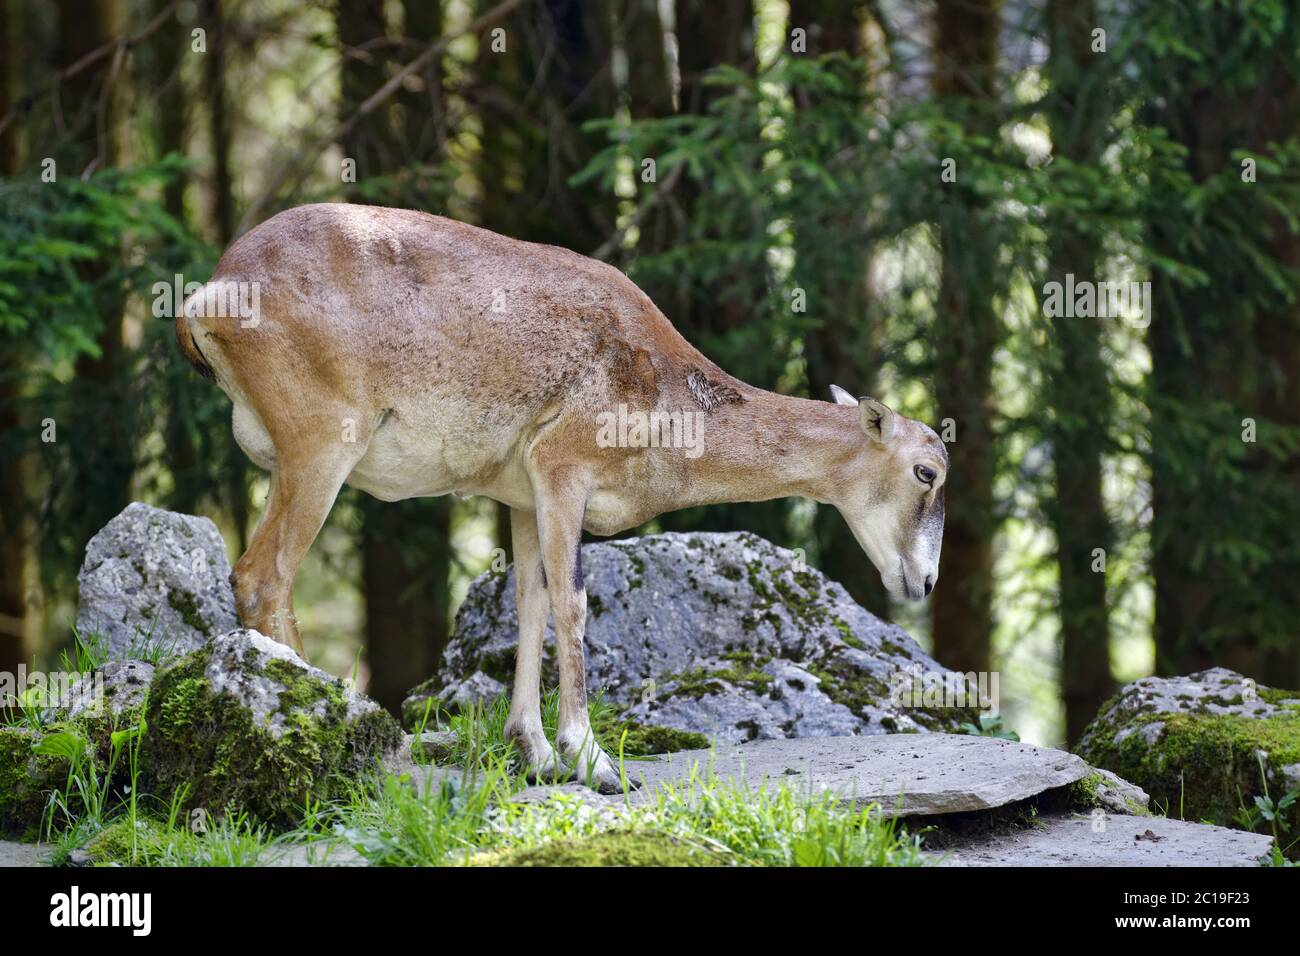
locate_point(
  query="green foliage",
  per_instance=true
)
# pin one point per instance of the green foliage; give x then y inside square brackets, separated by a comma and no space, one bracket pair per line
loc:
[1273,813]
[77,258]
[69,250]
[990,725]
[1224,334]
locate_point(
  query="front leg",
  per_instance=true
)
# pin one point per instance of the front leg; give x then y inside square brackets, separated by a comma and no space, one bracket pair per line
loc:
[561,498]
[524,726]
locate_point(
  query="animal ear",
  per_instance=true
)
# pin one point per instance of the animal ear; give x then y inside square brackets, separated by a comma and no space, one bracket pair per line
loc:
[842,397]
[878,420]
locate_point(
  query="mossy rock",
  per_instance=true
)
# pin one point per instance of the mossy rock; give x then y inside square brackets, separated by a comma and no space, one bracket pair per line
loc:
[1104,790]
[420,705]
[611,848]
[110,701]
[28,778]
[722,634]
[243,722]
[425,701]
[1203,746]
[647,740]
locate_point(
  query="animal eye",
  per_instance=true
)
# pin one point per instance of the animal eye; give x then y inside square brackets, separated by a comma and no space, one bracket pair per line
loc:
[924,474]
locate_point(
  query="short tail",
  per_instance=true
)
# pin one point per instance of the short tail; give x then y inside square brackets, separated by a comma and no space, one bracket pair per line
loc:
[190,347]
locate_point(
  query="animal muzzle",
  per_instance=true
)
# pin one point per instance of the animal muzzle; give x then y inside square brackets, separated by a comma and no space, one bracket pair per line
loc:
[912,582]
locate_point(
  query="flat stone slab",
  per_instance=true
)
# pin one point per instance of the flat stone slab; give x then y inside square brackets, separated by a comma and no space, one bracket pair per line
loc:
[1072,840]
[23,854]
[314,854]
[906,774]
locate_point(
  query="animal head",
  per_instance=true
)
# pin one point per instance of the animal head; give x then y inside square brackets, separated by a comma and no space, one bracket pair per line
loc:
[892,496]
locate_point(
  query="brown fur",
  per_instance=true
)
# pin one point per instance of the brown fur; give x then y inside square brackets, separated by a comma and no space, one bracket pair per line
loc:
[458,360]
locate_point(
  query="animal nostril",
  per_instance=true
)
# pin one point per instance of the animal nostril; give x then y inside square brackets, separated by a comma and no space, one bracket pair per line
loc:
[929,585]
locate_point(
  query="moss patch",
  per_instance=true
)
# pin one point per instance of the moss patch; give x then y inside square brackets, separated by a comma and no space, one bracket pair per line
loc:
[1202,766]
[26,781]
[128,845]
[182,602]
[847,684]
[612,848]
[698,683]
[1086,794]
[210,744]
[644,740]
[420,705]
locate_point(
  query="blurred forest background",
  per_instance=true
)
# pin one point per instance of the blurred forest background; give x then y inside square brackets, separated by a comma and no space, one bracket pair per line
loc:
[874,193]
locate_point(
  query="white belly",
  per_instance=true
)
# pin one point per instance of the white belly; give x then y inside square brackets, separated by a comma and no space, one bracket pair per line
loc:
[411,458]
[609,512]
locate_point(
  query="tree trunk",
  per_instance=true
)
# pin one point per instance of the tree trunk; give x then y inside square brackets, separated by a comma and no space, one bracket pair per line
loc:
[406,564]
[103,432]
[164,77]
[362,31]
[840,348]
[405,545]
[532,99]
[15,526]
[1078,390]
[235,468]
[649,85]
[711,33]
[424,108]
[1234,342]
[223,196]
[966,332]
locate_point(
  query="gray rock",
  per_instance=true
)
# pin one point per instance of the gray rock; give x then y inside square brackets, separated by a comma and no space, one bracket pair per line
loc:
[154,584]
[905,774]
[1117,795]
[455,696]
[113,689]
[1081,840]
[245,721]
[724,634]
[433,746]
[240,668]
[108,700]
[426,779]
[1203,745]
[1217,691]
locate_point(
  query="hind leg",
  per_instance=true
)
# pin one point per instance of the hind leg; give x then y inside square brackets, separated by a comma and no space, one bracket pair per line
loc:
[304,485]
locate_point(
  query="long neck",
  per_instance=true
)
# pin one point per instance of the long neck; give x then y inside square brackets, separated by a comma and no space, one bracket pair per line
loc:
[772,446]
